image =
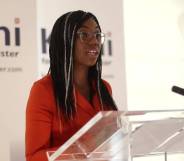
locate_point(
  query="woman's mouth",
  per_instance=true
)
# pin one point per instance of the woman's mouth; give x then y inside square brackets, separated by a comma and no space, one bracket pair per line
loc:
[93,53]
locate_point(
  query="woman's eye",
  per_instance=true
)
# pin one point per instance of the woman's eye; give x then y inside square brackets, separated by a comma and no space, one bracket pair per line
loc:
[84,34]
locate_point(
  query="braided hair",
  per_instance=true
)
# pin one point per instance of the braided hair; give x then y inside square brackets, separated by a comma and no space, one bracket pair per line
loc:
[61,52]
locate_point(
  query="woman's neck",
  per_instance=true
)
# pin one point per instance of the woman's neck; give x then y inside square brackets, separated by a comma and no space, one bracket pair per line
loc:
[81,82]
[81,76]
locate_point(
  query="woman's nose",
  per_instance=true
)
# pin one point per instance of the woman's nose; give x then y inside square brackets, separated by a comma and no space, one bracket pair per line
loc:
[93,39]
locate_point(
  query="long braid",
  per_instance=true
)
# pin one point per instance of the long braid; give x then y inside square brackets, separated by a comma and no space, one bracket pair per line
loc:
[70,68]
[65,62]
[98,84]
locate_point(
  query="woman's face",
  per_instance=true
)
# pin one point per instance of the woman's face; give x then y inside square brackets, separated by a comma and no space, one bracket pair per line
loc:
[87,45]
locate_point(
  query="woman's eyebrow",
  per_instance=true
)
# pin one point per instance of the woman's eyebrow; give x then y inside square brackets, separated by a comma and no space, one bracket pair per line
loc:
[84,26]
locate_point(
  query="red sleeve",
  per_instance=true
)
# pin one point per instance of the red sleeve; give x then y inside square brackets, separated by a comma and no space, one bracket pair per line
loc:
[38,123]
[108,86]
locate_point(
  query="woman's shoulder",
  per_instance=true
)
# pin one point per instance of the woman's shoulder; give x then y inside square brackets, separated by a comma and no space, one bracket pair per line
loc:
[45,82]
[43,85]
[41,94]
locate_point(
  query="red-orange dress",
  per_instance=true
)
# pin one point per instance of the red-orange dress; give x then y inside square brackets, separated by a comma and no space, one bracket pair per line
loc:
[43,130]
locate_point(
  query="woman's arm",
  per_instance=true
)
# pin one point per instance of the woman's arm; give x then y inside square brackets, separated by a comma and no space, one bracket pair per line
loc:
[39,117]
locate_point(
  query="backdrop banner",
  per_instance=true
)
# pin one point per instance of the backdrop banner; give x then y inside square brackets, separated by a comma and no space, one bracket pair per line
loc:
[18,68]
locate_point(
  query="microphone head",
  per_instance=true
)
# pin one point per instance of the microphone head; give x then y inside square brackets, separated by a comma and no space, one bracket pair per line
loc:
[178,90]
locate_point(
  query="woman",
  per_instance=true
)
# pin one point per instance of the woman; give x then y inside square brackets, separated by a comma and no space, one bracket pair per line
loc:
[73,92]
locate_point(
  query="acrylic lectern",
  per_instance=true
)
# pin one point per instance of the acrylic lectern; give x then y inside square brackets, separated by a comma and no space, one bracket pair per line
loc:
[125,136]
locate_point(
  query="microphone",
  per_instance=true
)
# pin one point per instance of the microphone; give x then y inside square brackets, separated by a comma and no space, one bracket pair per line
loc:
[178,90]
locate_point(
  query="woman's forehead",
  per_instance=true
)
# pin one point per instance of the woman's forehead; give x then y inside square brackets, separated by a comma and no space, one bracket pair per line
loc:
[90,23]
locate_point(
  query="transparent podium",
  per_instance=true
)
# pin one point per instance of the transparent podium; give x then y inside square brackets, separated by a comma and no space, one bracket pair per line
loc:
[126,136]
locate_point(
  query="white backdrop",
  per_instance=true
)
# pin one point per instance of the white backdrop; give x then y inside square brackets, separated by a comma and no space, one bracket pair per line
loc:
[154,47]
[18,68]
